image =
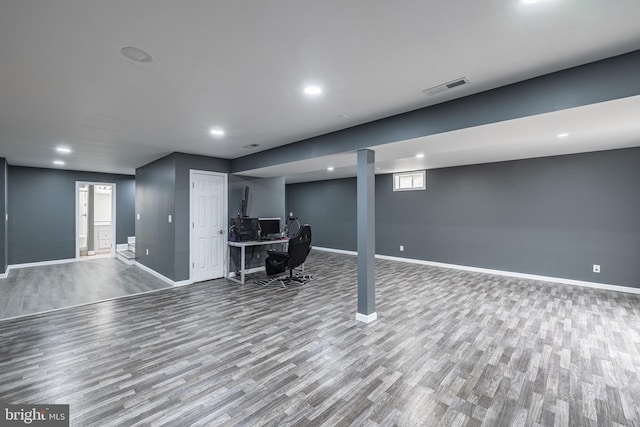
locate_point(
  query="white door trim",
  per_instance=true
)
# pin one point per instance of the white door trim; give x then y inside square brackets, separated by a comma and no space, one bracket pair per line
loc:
[225,216]
[113,215]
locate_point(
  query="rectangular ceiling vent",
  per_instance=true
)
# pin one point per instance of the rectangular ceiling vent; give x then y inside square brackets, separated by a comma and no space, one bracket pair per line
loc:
[446,86]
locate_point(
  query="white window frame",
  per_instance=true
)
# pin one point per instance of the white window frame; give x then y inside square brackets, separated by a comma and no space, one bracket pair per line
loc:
[413,174]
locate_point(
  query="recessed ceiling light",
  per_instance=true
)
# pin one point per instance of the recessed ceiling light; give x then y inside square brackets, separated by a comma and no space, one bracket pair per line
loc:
[419,155]
[216,132]
[563,135]
[330,168]
[64,150]
[136,54]
[58,162]
[313,90]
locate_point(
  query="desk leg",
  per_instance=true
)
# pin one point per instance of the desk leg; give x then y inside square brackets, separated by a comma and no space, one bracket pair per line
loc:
[242,266]
[227,273]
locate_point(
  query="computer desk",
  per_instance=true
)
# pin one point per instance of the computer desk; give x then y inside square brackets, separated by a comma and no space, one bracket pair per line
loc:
[243,246]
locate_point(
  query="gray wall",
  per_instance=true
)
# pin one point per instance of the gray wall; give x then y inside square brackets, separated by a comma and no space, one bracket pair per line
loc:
[266,196]
[162,189]
[612,78]
[41,206]
[4,258]
[184,163]
[330,208]
[266,200]
[155,196]
[553,216]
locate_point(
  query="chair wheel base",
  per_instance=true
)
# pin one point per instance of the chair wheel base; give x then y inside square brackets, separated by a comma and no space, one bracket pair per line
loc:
[285,280]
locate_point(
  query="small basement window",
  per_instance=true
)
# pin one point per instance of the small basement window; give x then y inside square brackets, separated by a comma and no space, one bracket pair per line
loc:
[407,181]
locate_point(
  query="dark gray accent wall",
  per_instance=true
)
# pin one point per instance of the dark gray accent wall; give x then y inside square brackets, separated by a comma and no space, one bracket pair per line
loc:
[41,206]
[553,216]
[612,78]
[4,255]
[162,189]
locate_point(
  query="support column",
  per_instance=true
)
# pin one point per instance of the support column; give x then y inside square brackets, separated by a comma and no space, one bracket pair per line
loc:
[366,237]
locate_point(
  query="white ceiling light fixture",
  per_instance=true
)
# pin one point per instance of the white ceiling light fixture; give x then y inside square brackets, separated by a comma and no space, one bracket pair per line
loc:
[63,150]
[313,90]
[563,135]
[419,156]
[216,132]
[330,168]
[58,162]
[136,54]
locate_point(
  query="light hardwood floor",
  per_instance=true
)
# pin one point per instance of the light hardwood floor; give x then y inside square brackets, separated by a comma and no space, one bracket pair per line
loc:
[449,348]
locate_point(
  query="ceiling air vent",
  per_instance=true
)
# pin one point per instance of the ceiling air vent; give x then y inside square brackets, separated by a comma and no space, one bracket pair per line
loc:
[250,146]
[446,86]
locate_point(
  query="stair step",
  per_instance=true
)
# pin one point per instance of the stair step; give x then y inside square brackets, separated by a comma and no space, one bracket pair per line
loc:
[127,254]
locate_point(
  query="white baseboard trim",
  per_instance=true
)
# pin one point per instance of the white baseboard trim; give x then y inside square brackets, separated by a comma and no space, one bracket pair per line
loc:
[335,251]
[41,263]
[161,276]
[595,285]
[366,318]
[249,271]
[182,283]
[122,246]
[35,264]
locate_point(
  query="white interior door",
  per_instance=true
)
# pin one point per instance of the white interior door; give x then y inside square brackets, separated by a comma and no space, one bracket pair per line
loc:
[208,225]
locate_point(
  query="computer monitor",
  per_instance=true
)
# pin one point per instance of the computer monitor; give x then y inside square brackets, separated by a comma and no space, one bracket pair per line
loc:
[269,227]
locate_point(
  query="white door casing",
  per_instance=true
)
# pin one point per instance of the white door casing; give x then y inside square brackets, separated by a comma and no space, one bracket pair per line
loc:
[113,215]
[208,219]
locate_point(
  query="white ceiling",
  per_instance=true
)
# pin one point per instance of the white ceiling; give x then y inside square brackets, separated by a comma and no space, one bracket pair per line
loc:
[242,66]
[602,126]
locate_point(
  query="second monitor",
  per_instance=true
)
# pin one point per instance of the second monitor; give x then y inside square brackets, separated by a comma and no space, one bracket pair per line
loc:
[269,228]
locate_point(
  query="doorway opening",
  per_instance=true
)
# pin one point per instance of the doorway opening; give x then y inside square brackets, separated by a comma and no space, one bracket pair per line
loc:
[95,220]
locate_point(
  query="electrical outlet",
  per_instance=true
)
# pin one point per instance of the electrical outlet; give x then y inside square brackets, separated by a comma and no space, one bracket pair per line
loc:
[147,251]
[596,268]
[138,216]
[258,256]
[170,219]
[401,248]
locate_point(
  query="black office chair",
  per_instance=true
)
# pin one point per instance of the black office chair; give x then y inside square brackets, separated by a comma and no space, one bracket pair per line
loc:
[278,262]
